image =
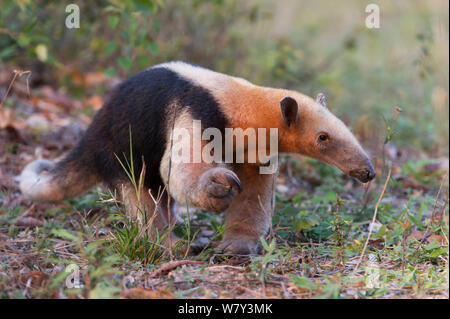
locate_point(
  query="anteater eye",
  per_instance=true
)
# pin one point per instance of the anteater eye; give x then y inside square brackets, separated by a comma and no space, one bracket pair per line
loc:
[323,137]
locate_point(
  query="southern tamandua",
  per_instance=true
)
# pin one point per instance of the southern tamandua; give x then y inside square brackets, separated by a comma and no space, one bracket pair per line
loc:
[172,95]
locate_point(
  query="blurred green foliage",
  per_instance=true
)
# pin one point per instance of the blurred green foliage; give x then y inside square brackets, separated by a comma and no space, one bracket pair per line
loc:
[365,73]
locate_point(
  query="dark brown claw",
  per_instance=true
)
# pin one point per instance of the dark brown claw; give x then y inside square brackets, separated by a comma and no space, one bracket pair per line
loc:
[236,181]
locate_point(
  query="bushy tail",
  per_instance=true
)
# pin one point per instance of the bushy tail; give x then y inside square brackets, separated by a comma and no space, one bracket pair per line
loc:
[45,181]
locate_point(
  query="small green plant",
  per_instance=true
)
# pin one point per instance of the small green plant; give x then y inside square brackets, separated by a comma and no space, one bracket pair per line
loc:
[139,239]
[95,264]
[417,169]
[130,241]
[339,235]
[260,263]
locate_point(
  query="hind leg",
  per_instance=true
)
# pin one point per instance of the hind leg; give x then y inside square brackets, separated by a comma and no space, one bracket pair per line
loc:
[150,208]
[140,208]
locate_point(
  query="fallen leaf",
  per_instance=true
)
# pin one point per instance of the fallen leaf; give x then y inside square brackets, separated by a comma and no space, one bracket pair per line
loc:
[141,293]
[46,105]
[172,265]
[377,243]
[35,278]
[441,164]
[29,222]
[411,182]
[13,134]
[440,239]
[95,78]
[95,101]
[417,235]
[6,182]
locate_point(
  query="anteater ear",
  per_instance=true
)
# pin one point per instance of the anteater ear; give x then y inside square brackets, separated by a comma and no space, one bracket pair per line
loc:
[322,99]
[289,110]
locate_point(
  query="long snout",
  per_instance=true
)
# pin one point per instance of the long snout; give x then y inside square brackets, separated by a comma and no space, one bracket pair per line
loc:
[365,173]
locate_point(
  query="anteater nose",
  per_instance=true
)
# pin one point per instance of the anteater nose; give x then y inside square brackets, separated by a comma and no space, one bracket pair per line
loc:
[370,171]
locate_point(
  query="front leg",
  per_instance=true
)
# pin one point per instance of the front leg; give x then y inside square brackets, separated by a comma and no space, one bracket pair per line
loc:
[203,185]
[249,215]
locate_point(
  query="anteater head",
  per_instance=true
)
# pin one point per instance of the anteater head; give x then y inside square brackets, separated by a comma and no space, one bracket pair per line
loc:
[317,133]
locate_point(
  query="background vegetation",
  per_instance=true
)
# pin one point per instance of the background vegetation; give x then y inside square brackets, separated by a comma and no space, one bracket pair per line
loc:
[321,219]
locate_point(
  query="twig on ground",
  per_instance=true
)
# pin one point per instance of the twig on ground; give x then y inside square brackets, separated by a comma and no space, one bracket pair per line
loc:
[4,118]
[374,218]
[172,265]
[435,205]
[223,266]
[16,74]
[9,32]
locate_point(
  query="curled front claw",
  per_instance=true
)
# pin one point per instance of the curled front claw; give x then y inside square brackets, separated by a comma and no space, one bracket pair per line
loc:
[235,180]
[218,185]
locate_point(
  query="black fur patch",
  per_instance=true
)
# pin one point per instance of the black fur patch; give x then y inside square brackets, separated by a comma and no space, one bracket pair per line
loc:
[141,103]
